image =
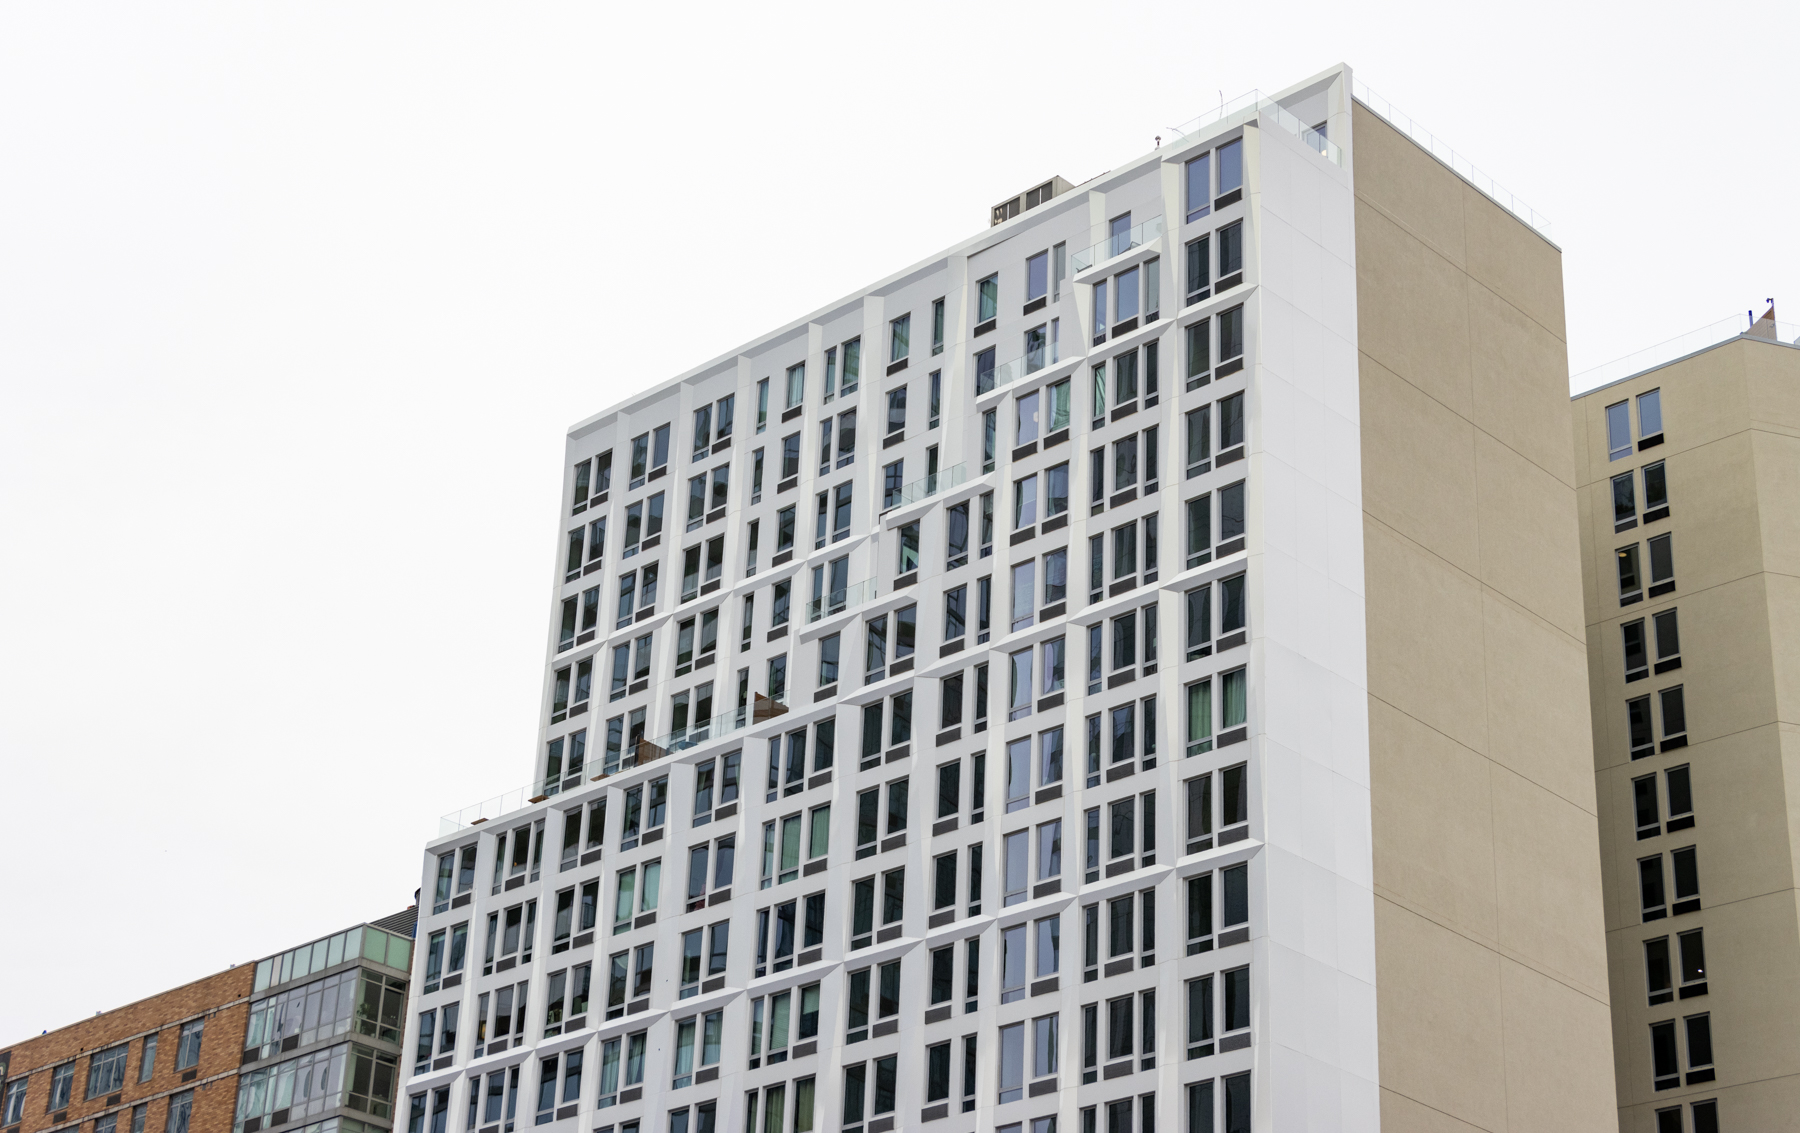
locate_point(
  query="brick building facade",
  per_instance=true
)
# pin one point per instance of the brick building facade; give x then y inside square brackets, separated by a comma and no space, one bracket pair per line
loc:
[174,1054]
[306,1040]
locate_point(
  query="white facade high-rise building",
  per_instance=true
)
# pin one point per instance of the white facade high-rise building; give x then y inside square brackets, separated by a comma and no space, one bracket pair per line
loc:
[1095,678]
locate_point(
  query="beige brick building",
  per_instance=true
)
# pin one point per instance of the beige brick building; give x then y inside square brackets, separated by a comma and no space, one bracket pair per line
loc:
[1690,477]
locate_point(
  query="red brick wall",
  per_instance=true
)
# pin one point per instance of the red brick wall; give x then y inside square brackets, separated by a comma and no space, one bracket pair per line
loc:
[221,999]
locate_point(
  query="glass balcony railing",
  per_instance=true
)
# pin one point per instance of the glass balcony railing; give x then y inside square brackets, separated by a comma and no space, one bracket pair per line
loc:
[762,708]
[929,486]
[1253,104]
[838,601]
[1117,244]
[993,377]
[645,750]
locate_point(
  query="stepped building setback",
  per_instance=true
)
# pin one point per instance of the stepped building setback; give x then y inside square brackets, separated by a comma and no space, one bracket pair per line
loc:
[1139,652]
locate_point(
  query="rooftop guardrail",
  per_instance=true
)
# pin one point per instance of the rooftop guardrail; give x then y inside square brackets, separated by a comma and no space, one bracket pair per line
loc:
[1681,346]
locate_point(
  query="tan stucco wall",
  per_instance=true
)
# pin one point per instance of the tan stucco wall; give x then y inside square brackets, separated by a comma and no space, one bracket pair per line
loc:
[1490,954]
[1731,422]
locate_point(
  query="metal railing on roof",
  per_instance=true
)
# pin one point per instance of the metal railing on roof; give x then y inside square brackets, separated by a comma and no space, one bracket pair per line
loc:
[1689,342]
[1461,165]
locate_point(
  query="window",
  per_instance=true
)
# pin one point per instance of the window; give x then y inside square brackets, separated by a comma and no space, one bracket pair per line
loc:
[1656,493]
[187,1051]
[1025,497]
[609,1081]
[1631,582]
[1198,183]
[106,1071]
[1674,718]
[15,1102]
[1235,712]
[1668,641]
[1637,664]
[1012,1063]
[1043,1052]
[1624,502]
[937,1072]
[702,431]
[1037,277]
[1664,1057]
[1120,1034]
[1126,293]
[790,460]
[796,384]
[659,449]
[937,326]
[640,459]
[1680,797]
[181,1110]
[1231,336]
[1658,975]
[1231,424]
[1618,430]
[1198,340]
[1649,418]
[1231,166]
[1692,946]
[1662,565]
[846,443]
[909,552]
[1650,888]
[723,418]
[1683,865]
[987,302]
[899,338]
[1638,727]
[1231,251]
[1025,417]
[580,495]
[1646,806]
[1235,997]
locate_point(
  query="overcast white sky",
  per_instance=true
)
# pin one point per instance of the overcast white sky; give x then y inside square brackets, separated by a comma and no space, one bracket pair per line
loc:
[297,300]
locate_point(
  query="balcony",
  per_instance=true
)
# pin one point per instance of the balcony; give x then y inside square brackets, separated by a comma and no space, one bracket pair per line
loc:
[761,708]
[838,601]
[644,751]
[1117,245]
[927,487]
